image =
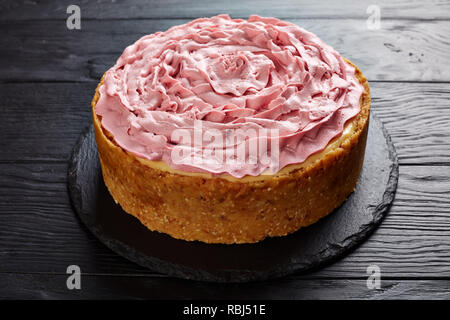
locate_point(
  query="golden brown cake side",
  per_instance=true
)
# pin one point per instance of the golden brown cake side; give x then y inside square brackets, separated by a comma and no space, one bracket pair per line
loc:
[229,210]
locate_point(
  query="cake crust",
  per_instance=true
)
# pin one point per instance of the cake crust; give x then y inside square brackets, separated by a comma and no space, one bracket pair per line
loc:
[225,209]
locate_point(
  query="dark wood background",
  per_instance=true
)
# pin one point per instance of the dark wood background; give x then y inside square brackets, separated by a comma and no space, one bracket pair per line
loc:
[47,78]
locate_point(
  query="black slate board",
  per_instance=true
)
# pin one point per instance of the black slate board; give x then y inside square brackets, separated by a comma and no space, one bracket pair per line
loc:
[303,250]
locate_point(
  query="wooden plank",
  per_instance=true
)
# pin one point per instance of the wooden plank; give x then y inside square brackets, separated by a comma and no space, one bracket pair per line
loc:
[144,9]
[39,229]
[45,119]
[44,286]
[417,117]
[414,238]
[39,232]
[402,50]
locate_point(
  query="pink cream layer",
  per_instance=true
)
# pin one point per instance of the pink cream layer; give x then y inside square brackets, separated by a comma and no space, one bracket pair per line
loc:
[228,75]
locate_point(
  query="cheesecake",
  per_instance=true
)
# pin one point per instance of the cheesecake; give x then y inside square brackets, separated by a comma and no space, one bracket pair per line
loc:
[229,130]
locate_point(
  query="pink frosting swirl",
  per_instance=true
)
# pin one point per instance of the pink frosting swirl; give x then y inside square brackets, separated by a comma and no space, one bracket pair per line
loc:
[228,74]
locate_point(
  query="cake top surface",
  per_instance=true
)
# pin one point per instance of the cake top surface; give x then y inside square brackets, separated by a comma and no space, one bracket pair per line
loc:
[228,96]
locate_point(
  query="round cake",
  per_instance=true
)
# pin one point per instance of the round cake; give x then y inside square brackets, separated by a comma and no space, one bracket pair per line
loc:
[230,131]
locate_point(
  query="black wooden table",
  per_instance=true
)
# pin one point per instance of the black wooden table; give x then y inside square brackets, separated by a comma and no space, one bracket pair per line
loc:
[47,77]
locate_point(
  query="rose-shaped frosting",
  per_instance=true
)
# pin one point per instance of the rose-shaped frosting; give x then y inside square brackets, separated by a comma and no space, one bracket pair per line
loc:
[226,74]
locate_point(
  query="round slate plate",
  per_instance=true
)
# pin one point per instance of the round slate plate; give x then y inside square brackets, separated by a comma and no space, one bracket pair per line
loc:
[307,248]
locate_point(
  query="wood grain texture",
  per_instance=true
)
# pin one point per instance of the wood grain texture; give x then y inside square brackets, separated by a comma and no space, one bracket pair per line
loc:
[402,50]
[55,115]
[154,9]
[39,232]
[43,116]
[45,286]
[416,115]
